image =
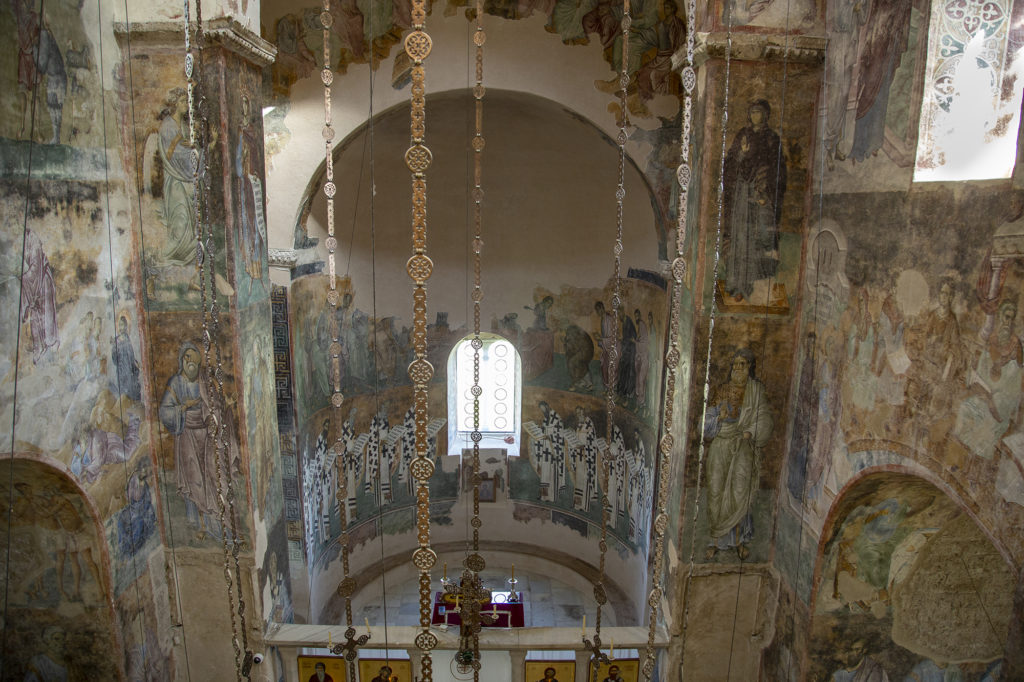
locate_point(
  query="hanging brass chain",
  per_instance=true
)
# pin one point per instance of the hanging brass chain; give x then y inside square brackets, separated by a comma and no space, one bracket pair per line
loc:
[672,354]
[600,593]
[339,455]
[475,562]
[199,138]
[419,268]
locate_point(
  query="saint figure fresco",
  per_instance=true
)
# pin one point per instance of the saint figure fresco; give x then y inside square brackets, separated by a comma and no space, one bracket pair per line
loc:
[738,423]
[186,411]
[755,181]
[38,298]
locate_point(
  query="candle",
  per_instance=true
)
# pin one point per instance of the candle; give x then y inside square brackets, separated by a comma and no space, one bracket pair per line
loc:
[328,639]
[583,628]
[445,576]
[513,571]
[611,649]
[367,621]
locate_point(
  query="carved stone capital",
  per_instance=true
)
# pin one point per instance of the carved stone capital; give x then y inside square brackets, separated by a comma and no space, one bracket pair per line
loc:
[222,31]
[755,47]
[282,258]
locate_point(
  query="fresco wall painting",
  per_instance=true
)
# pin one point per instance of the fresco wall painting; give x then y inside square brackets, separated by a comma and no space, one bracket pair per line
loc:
[880,603]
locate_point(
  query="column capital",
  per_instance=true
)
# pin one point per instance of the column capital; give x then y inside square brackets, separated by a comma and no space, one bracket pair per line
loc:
[223,31]
[755,47]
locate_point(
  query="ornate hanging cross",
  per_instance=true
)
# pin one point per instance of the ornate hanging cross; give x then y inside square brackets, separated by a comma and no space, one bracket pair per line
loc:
[469,595]
[597,657]
[350,647]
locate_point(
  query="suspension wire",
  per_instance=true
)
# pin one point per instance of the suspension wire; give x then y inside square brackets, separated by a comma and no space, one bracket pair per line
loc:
[31,103]
[376,373]
[161,481]
[359,182]
[701,448]
[113,313]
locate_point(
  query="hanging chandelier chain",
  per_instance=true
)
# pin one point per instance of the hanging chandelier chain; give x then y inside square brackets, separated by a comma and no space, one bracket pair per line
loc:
[339,455]
[419,268]
[672,354]
[600,593]
[213,378]
[479,38]
[475,562]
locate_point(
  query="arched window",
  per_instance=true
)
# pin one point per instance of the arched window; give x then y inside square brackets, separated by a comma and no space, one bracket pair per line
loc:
[972,92]
[500,399]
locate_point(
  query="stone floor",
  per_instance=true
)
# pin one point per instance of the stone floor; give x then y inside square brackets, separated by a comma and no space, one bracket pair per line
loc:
[547,602]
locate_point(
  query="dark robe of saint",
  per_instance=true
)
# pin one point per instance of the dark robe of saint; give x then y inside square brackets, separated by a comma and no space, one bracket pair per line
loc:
[755,181]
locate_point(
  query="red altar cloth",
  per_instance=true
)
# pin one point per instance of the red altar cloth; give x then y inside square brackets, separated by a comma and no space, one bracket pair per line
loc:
[510,615]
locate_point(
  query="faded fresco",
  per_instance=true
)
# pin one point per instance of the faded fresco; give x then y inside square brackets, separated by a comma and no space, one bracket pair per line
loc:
[761,213]
[883,612]
[738,454]
[908,358]
[564,347]
[74,347]
[774,15]
[362,32]
[57,617]
[875,80]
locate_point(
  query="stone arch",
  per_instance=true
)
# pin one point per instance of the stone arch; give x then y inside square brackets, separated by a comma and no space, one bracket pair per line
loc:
[891,584]
[58,570]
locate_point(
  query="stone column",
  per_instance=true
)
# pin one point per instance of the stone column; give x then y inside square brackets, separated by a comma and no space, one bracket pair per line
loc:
[416,658]
[751,286]
[517,663]
[582,666]
[155,134]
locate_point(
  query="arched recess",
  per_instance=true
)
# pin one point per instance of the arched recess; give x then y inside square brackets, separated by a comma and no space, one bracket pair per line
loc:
[907,581]
[56,574]
[549,228]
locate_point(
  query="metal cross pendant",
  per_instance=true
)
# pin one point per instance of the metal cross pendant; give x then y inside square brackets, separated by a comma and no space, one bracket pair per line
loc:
[350,647]
[597,656]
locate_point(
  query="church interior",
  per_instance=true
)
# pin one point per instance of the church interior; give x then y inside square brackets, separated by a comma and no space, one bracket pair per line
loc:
[512,340]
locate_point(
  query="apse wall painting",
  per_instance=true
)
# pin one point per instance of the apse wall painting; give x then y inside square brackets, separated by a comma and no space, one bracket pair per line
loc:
[565,366]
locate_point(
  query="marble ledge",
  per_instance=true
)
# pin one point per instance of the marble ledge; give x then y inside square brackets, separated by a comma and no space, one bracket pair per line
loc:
[403,636]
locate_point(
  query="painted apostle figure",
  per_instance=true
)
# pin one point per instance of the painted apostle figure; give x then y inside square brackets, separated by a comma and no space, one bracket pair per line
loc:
[738,422]
[186,411]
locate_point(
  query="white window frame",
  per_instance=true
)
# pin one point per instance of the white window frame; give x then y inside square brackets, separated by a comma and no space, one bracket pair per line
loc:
[459,397]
